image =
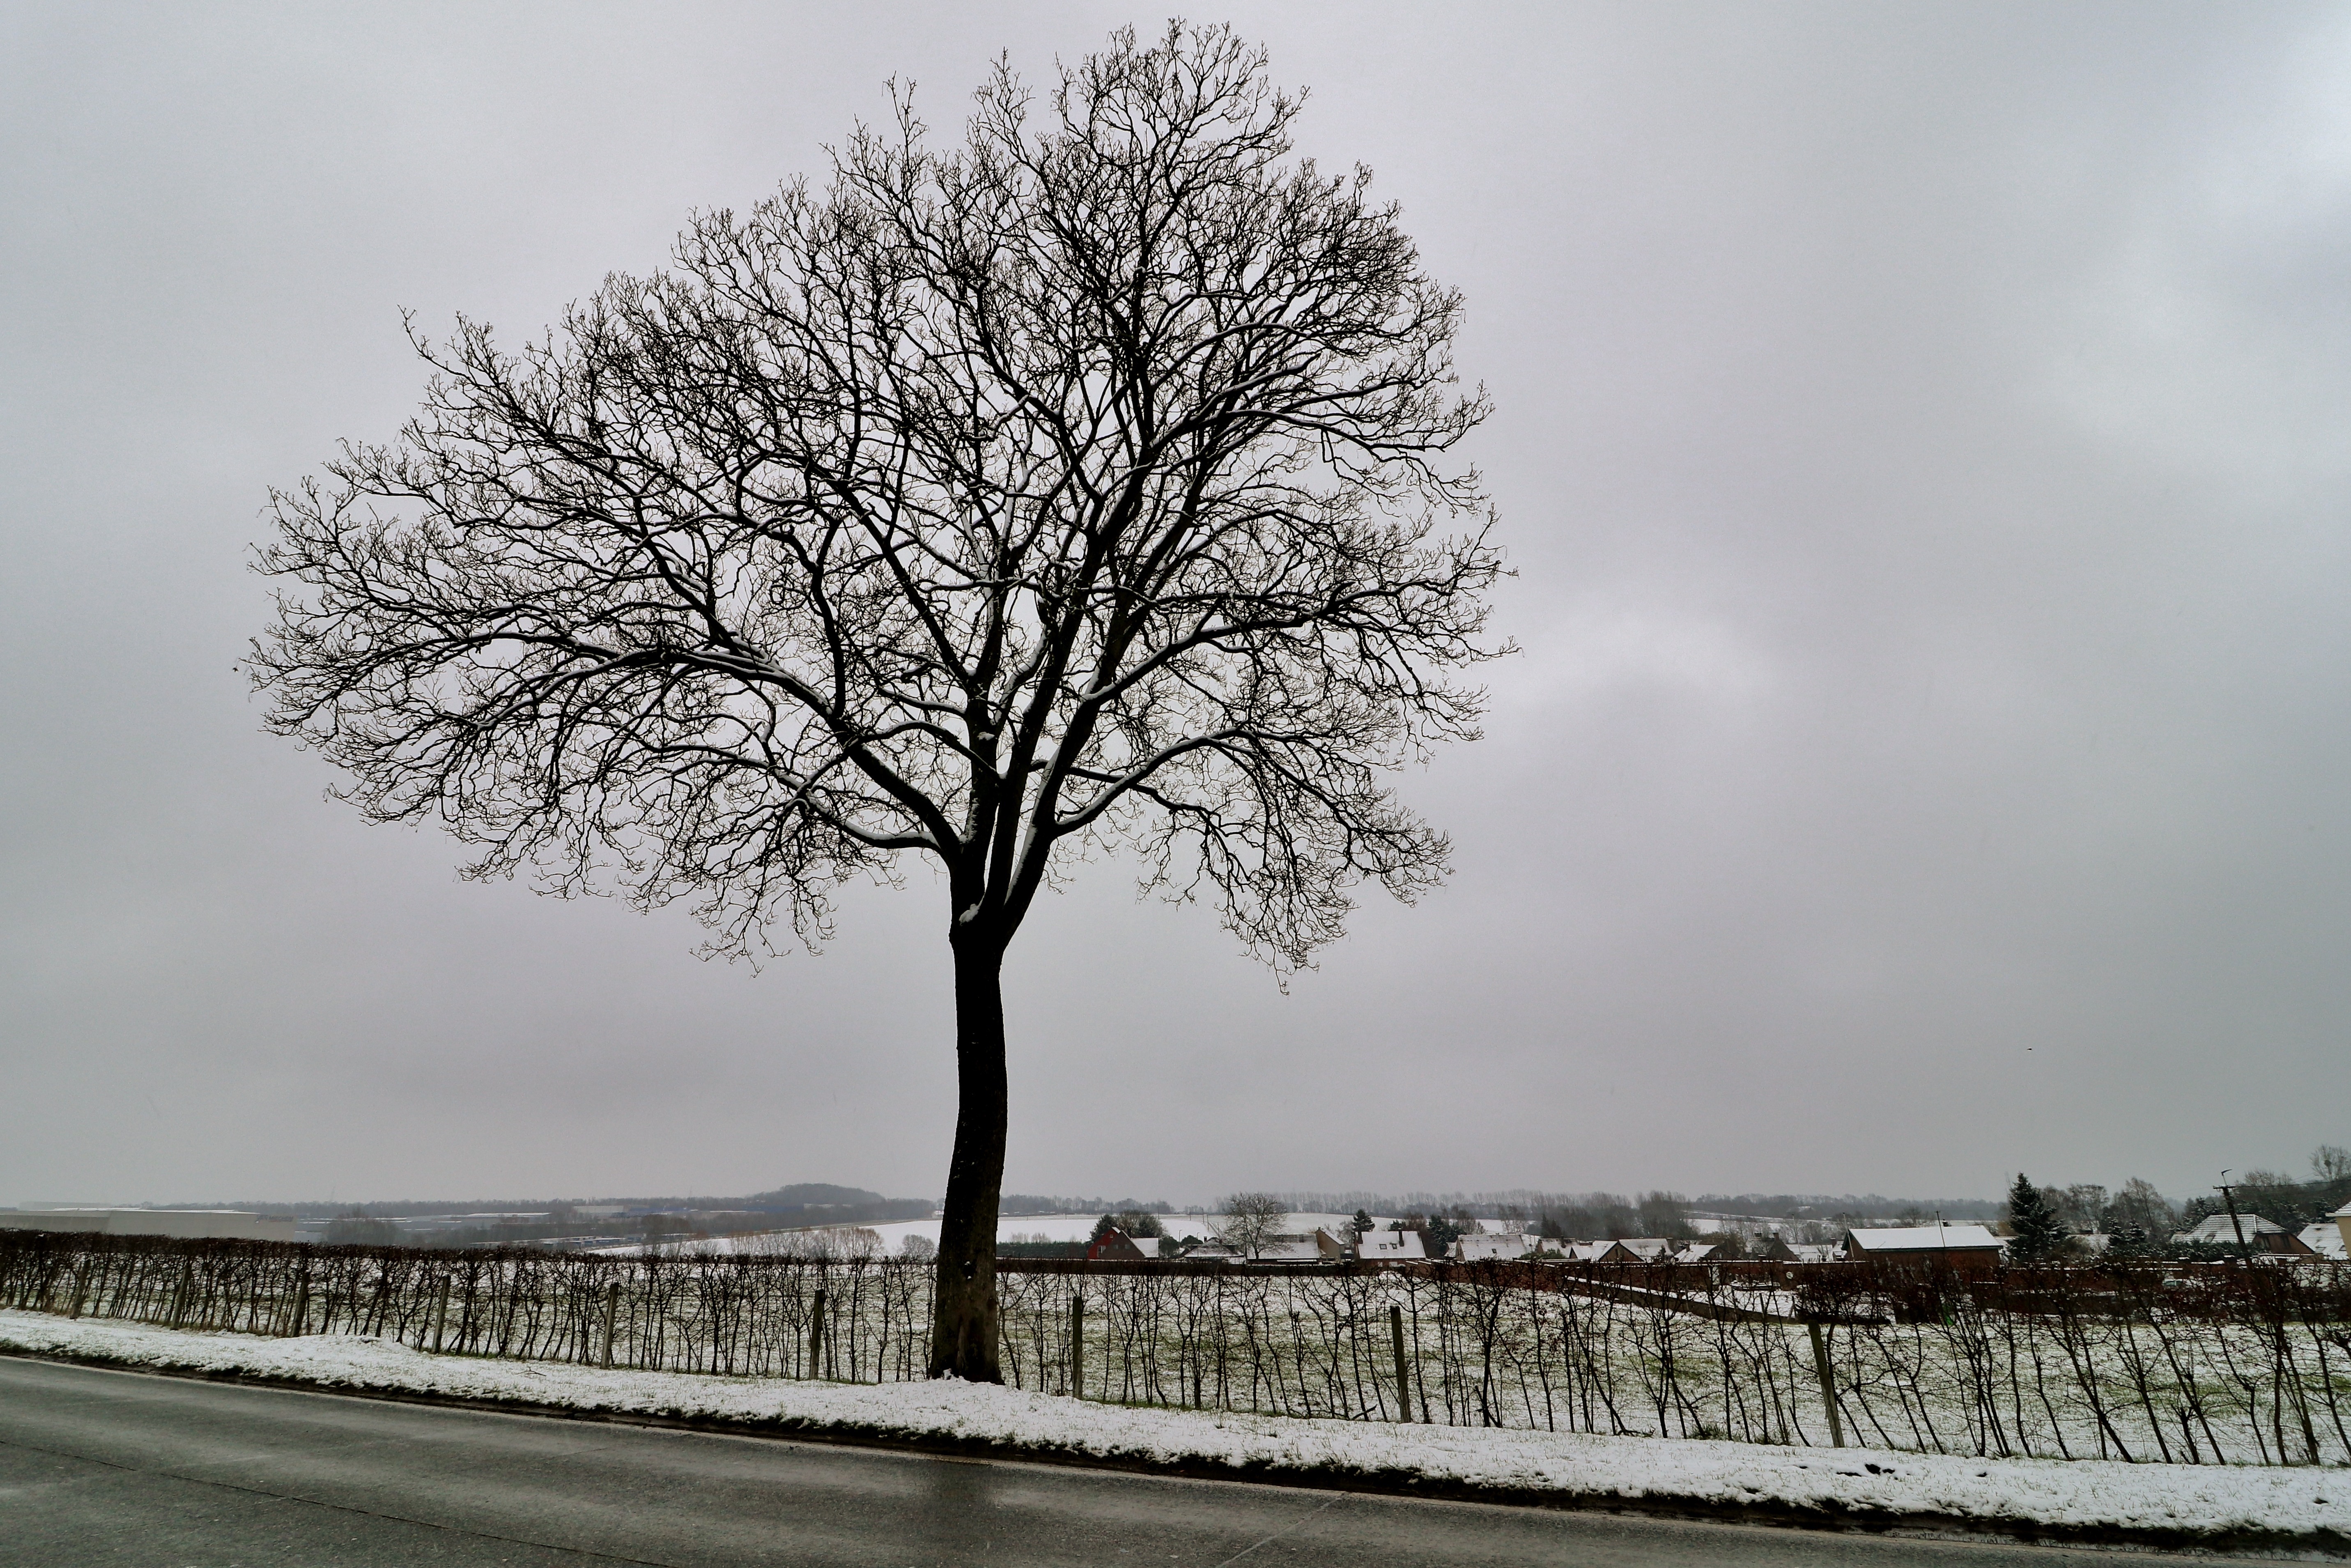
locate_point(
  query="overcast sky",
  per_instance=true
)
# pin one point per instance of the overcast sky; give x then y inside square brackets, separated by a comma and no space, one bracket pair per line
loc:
[1920,438]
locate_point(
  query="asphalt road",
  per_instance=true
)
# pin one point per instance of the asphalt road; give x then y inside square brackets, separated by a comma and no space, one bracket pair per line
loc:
[120,1469]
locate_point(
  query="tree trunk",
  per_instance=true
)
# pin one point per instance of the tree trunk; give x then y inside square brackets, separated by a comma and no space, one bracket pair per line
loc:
[963,1309]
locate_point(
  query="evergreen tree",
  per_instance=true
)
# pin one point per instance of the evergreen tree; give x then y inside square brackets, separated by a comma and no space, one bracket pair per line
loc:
[1362,1224]
[2040,1234]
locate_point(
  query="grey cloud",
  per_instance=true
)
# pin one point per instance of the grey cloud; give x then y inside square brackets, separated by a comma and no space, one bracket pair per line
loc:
[1920,441]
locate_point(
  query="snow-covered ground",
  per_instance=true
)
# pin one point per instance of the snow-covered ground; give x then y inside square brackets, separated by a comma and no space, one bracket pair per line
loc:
[2172,1500]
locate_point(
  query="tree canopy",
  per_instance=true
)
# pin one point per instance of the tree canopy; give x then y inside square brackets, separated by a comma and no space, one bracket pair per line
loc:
[1079,482]
[1082,483]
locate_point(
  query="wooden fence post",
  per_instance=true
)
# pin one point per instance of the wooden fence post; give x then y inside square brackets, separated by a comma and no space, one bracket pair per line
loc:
[1403,1367]
[1078,1345]
[179,1302]
[816,1337]
[1828,1385]
[611,1313]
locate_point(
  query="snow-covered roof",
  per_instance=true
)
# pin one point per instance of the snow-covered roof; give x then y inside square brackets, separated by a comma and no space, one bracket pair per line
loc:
[1391,1247]
[2214,1229]
[1923,1238]
[1289,1249]
[2324,1238]
[1488,1245]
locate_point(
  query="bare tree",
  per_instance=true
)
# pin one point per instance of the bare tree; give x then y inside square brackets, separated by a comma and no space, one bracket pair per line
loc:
[1082,484]
[1250,1219]
[2138,1207]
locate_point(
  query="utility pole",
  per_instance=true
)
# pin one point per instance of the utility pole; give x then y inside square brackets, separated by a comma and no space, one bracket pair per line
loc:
[2245,1253]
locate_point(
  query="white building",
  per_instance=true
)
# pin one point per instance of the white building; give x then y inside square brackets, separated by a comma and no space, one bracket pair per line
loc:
[1390,1247]
[1487,1246]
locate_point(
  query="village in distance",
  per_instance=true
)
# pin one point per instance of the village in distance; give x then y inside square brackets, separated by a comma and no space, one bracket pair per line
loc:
[2265,1214]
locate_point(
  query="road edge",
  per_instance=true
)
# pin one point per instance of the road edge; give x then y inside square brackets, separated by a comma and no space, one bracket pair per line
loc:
[2322,1545]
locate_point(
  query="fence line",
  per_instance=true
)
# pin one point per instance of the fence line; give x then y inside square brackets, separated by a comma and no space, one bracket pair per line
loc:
[2202,1366]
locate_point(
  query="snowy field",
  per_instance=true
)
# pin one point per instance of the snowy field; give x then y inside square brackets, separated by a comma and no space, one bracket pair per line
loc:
[2298,1509]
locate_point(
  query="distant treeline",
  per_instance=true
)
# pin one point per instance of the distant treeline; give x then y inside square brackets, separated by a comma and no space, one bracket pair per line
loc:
[1867,1205]
[816,1202]
[2283,1199]
[1033,1203]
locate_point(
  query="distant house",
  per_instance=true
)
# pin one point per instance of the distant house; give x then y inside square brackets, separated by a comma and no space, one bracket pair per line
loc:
[1390,1247]
[2250,1231]
[1951,1243]
[1117,1247]
[1696,1253]
[2342,1217]
[1489,1247]
[1320,1247]
[2324,1238]
[1779,1250]
[2224,1230]
[1294,1250]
